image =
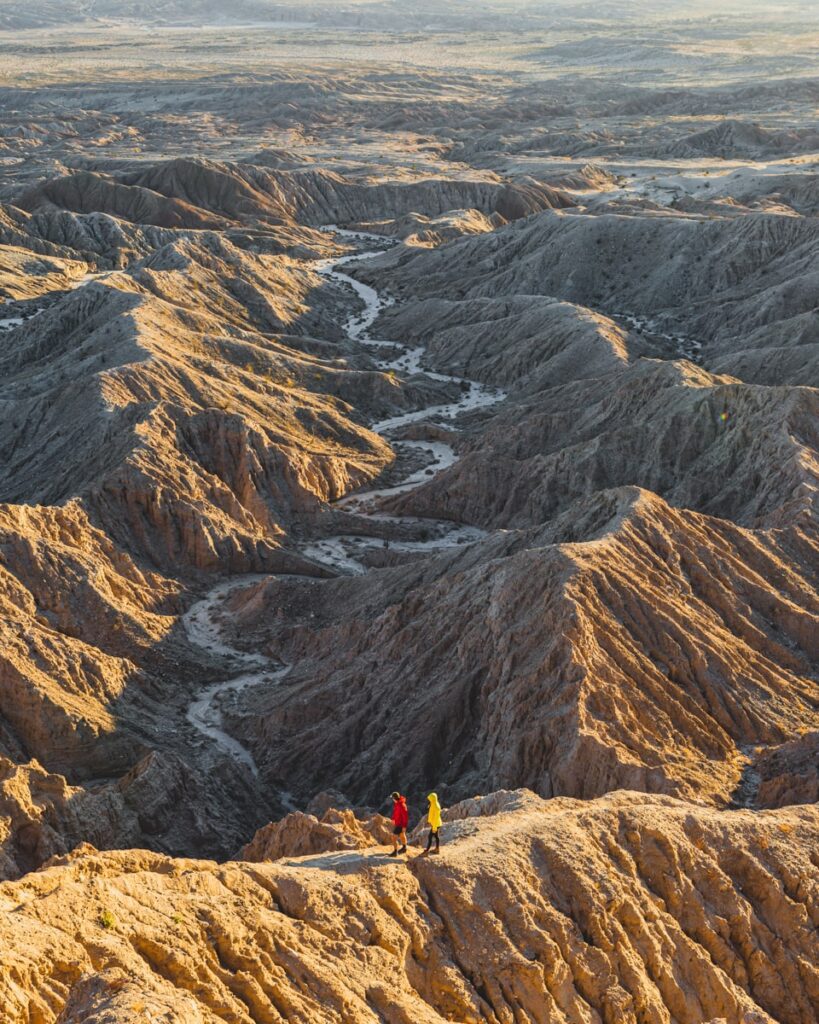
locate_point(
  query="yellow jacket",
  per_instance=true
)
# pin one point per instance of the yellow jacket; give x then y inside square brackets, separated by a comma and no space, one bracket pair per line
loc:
[434,816]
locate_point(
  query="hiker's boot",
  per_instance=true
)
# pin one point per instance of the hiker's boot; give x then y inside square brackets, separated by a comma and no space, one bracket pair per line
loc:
[403,848]
[394,853]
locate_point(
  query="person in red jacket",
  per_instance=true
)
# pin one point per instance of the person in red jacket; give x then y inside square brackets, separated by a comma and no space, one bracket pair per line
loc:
[400,820]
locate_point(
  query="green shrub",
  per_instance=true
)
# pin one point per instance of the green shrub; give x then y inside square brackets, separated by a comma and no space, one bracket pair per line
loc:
[107,919]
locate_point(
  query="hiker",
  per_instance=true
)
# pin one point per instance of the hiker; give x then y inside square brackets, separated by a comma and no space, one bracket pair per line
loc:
[400,820]
[434,819]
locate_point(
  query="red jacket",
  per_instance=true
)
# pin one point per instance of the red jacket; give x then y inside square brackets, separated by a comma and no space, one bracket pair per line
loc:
[400,814]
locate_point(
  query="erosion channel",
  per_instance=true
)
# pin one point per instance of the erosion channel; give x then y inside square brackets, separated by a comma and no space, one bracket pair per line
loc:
[201,620]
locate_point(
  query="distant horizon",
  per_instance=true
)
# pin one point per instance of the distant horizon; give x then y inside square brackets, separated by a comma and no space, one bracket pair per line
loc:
[647,45]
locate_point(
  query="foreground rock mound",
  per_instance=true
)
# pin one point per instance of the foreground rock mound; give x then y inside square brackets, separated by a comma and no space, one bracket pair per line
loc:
[629,909]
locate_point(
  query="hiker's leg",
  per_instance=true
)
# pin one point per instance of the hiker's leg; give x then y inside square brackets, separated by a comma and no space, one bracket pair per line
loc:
[403,841]
[429,840]
[437,841]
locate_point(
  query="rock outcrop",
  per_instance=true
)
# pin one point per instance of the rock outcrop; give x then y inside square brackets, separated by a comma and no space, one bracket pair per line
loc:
[740,452]
[416,229]
[162,802]
[188,437]
[546,343]
[25,277]
[789,774]
[82,627]
[197,194]
[298,835]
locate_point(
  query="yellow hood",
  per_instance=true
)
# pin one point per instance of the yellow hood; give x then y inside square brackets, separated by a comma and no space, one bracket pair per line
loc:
[434,816]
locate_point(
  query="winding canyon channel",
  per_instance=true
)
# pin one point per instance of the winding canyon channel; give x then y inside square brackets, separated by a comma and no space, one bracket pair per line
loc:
[201,620]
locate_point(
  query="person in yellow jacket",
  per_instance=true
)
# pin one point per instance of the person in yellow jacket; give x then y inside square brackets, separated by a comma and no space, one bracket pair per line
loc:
[434,819]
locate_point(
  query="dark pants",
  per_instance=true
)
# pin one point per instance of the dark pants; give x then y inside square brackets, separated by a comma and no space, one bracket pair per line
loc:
[433,834]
